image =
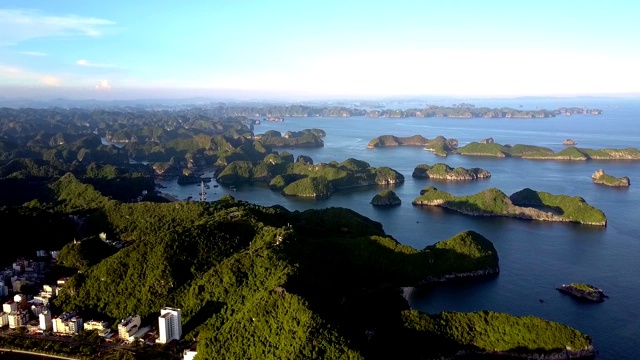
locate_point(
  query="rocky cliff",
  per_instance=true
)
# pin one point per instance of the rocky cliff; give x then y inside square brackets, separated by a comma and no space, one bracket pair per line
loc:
[386,198]
[583,291]
[442,171]
[599,177]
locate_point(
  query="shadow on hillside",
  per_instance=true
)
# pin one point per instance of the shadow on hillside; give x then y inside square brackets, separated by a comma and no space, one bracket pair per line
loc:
[530,198]
[207,311]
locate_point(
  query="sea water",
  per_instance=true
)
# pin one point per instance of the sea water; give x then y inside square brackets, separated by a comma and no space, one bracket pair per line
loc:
[535,257]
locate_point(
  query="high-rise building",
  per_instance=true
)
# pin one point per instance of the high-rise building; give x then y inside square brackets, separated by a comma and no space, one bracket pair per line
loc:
[4,290]
[4,319]
[76,325]
[18,319]
[169,325]
[45,320]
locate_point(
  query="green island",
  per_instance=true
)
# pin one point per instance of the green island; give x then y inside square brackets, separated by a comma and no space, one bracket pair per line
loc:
[443,147]
[442,171]
[386,198]
[496,334]
[439,145]
[583,291]
[304,138]
[600,177]
[523,204]
[542,153]
[303,178]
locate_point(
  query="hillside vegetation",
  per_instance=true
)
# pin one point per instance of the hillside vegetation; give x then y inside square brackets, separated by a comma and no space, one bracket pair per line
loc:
[525,204]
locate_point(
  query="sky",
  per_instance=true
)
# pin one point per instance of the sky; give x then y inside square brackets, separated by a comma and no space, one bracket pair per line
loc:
[298,49]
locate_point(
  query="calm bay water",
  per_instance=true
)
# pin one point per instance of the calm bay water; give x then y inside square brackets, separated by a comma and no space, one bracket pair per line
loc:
[535,257]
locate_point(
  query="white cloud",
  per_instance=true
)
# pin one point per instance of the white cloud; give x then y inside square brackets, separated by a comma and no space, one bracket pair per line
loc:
[12,75]
[21,25]
[86,63]
[103,85]
[50,80]
[34,53]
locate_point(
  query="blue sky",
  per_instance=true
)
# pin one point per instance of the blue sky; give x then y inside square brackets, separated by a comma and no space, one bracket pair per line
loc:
[313,49]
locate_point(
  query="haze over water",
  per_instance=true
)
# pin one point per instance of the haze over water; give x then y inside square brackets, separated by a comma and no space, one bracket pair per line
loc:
[535,257]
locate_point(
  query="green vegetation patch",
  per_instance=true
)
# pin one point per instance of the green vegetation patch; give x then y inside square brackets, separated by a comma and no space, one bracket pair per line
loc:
[574,208]
[488,331]
[465,252]
[309,187]
[491,201]
[476,148]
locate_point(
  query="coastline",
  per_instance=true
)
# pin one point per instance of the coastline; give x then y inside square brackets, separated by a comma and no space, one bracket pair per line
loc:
[4,351]
[168,197]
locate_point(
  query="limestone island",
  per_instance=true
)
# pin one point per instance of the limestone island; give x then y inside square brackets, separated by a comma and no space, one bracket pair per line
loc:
[496,335]
[304,138]
[543,153]
[442,171]
[303,178]
[583,291]
[440,145]
[524,204]
[569,142]
[386,198]
[487,147]
[599,177]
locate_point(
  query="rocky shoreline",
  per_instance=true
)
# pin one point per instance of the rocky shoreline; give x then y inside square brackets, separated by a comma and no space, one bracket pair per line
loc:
[583,291]
[588,353]
[599,177]
[458,276]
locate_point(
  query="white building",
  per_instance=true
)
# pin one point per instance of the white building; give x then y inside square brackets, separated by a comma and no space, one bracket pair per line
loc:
[169,325]
[9,307]
[61,323]
[18,319]
[4,319]
[45,321]
[21,300]
[128,327]
[189,354]
[102,327]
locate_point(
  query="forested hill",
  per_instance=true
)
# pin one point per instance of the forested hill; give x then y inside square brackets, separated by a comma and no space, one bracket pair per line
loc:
[261,282]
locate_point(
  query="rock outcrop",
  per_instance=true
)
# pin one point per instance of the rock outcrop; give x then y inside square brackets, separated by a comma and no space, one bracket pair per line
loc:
[462,275]
[569,142]
[583,291]
[599,177]
[386,198]
[486,141]
[442,171]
